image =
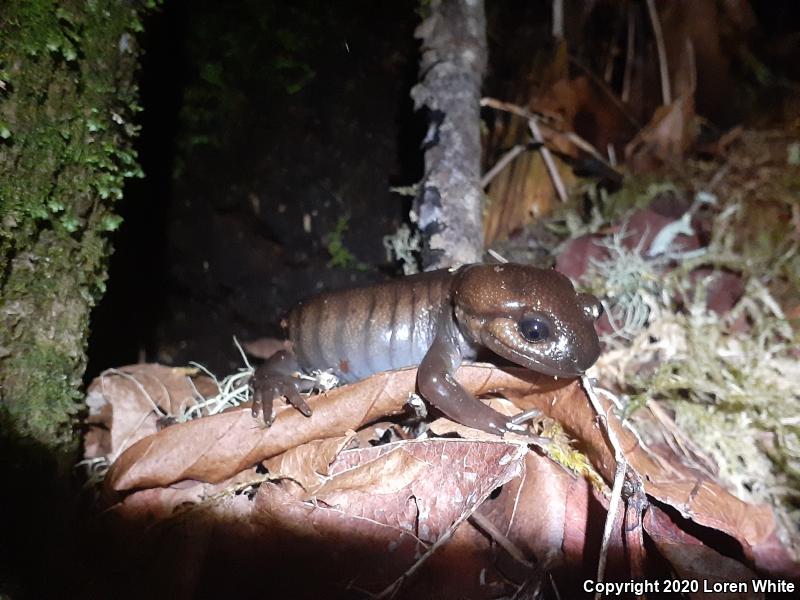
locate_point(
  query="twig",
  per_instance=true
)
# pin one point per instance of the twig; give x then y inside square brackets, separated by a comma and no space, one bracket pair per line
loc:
[534,120]
[619,480]
[501,164]
[627,74]
[547,123]
[663,67]
[633,528]
[481,522]
[549,120]
[549,163]
[497,256]
[558,19]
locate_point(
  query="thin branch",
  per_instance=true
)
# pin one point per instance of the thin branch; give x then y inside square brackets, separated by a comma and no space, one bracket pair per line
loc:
[501,164]
[663,67]
[481,522]
[497,256]
[627,76]
[549,163]
[619,480]
[558,19]
[514,109]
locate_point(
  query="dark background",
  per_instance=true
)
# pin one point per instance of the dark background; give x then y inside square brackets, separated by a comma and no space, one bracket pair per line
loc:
[259,115]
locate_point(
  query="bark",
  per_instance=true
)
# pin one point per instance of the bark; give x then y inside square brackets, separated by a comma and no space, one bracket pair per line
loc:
[449,205]
[67,97]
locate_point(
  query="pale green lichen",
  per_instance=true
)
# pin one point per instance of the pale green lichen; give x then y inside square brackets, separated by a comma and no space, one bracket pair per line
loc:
[730,380]
[405,246]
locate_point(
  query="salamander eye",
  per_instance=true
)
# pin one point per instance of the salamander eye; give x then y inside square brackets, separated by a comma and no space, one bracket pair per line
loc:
[533,329]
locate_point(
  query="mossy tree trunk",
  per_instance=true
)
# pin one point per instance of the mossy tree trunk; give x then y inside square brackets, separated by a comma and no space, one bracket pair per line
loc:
[67,100]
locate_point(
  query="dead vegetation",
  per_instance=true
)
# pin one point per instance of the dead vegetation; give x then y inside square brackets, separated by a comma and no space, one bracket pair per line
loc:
[682,460]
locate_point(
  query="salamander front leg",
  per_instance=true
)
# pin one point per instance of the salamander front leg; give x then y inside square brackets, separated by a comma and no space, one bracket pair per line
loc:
[438,386]
[277,378]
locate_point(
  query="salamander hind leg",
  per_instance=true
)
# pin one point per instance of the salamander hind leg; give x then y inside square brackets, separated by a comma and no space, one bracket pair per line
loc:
[277,378]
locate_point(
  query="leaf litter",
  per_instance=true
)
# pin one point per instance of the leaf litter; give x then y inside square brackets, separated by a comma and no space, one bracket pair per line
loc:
[383,516]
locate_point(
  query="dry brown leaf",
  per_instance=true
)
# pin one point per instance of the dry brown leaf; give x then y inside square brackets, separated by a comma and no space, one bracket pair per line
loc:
[693,560]
[693,495]
[378,515]
[432,477]
[308,464]
[583,106]
[665,138]
[125,404]
[538,512]
[216,447]
[158,504]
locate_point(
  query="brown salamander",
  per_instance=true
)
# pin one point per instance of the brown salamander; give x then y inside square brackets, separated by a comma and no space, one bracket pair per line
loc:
[532,317]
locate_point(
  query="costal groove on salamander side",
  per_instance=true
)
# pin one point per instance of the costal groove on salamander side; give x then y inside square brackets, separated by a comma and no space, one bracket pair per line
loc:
[365,330]
[369,340]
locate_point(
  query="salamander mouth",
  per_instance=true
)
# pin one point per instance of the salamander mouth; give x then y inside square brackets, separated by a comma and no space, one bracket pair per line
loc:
[501,338]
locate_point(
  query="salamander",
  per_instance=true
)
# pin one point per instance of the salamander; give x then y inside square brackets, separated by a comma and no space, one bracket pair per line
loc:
[530,316]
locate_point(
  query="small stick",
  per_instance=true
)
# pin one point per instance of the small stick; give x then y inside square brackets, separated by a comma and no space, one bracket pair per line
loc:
[666,92]
[549,163]
[497,256]
[546,122]
[507,107]
[558,19]
[619,480]
[501,164]
[627,75]
[481,522]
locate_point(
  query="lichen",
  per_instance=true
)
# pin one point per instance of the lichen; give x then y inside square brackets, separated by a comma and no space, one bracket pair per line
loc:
[728,379]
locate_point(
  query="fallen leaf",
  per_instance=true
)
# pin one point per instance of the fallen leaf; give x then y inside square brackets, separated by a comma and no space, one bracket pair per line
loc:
[216,447]
[696,561]
[125,404]
[665,138]
[692,494]
[381,515]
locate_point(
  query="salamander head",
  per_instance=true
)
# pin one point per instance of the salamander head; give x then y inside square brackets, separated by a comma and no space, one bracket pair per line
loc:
[533,317]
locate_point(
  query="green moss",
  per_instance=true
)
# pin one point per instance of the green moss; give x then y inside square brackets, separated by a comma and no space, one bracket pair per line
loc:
[46,379]
[638,192]
[341,257]
[228,75]
[67,105]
